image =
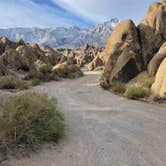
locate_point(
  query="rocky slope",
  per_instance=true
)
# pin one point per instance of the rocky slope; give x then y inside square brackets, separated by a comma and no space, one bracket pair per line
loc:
[63,37]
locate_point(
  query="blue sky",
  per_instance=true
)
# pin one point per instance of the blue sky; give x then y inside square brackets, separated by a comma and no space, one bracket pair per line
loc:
[55,13]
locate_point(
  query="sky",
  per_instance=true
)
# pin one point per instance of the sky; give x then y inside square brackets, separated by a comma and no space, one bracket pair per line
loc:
[58,13]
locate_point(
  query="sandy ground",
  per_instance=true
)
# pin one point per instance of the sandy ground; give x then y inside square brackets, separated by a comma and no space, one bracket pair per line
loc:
[103,129]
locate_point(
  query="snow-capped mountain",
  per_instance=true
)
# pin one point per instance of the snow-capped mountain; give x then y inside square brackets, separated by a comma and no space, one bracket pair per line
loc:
[63,37]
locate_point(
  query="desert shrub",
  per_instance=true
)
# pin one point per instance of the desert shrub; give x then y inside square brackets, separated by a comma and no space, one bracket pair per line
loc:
[118,87]
[13,82]
[135,92]
[43,67]
[43,74]
[30,119]
[35,82]
[67,71]
[142,80]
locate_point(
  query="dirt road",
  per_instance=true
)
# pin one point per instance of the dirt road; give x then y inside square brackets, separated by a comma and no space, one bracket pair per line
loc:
[103,129]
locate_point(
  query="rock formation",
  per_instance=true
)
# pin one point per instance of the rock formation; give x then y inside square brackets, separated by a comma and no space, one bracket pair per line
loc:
[152,30]
[123,59]
[159,86]
[97,62]
[156,60]
[132,49]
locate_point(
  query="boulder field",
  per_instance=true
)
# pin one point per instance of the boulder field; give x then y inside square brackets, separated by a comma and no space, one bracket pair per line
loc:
[132,49]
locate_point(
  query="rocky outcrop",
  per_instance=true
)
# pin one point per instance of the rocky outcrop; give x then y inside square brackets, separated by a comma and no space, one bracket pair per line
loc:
[159,86]
[12,59]
[123,59]
[152,30]
[50,55]
[28,53]
[156,60]
[87,54]
[97,62]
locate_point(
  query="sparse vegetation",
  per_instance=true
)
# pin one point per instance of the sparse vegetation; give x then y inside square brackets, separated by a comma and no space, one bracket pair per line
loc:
[13,82]
[135,92]
[67,71]
[30,119]
[41,73]
[118,87]
[142,80]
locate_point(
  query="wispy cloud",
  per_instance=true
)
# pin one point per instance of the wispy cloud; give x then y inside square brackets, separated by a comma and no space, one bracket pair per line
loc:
[36,13]
[99,10]
[54,13]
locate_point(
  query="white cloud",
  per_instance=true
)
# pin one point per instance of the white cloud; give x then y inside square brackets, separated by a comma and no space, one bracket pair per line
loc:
[24,13]
[100,10]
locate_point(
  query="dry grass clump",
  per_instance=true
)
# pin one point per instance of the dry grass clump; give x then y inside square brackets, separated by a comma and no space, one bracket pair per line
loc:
[135,92]
[118,87]
[67,71]
[30,119]
[13,82]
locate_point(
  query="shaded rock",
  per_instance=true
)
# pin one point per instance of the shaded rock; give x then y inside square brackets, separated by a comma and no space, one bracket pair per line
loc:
[123,59]
[156,60]
[152,30]
[159,87]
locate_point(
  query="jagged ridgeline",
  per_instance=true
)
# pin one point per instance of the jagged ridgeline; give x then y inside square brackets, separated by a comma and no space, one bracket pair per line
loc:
[72,37]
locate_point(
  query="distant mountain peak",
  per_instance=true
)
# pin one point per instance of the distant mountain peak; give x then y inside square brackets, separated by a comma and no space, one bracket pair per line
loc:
[71,37]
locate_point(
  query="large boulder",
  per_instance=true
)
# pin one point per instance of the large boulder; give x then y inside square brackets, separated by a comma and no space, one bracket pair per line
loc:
[152,30]
[159,87]
[156,60]
[123,59]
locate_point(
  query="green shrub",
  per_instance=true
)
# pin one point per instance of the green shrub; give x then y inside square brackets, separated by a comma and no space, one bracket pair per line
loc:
[135,92]
[30,119]
[67,71]
[118,87]
[35,82]
[41,72]
[13,82]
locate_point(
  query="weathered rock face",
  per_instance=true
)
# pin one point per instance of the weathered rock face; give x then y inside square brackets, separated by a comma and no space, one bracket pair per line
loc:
[152,30]
[156,60]
[123,58]
[50,55]
[159,87]
[97,62]
[5,43]
[86,55]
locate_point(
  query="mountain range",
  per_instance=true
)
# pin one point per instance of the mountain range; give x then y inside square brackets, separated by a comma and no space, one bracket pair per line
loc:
[62,37]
